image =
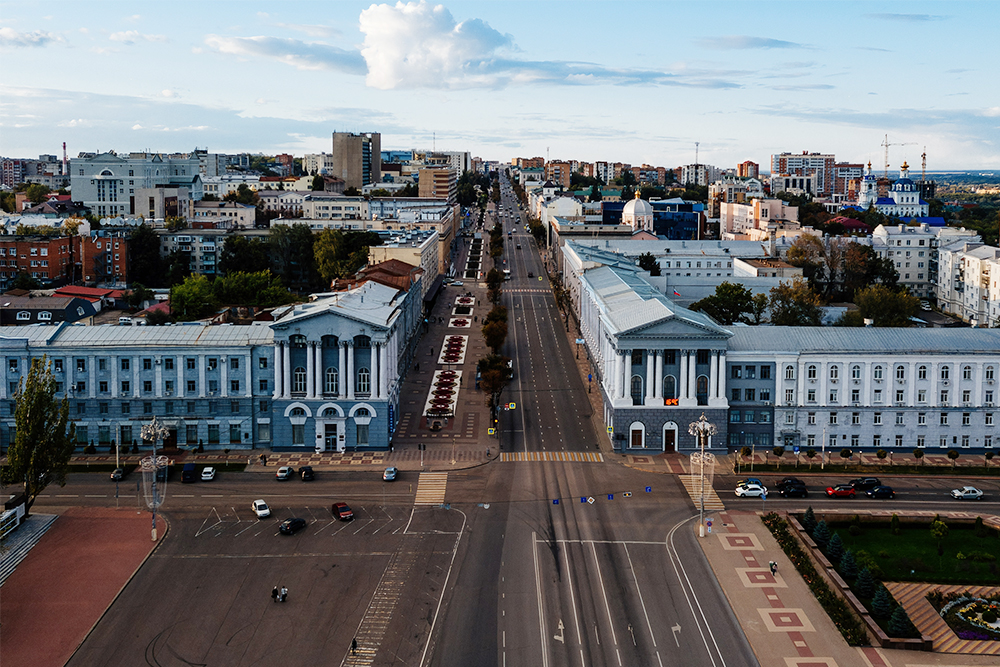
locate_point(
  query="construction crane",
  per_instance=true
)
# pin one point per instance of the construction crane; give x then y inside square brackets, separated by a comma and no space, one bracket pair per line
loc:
[887,144]
[923,167]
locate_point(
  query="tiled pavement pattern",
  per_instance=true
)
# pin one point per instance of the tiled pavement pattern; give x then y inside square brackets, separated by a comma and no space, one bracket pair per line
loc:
[327,458]
[929,622]
[431,487]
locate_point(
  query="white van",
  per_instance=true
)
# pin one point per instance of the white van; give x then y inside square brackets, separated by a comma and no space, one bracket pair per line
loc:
[125,321]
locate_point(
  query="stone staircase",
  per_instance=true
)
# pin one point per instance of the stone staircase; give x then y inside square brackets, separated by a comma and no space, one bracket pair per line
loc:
[18,543]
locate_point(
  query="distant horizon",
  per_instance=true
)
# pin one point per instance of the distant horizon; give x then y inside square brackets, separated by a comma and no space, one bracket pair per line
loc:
[637,83]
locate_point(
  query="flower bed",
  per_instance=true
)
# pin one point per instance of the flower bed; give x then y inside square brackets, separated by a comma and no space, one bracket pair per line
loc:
[970,617]
[849,626]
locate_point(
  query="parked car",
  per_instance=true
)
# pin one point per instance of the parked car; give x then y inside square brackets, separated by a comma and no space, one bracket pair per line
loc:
[117,474]
[794,491]
[390,474]
[207,474]
[307,473]
[342,511]
[865,484]
[967,493]
[289,526]
[284,472]
[750,480]
[791,480]
[881,492]
[188,473]
[750,490]
[261,509]
[840,491]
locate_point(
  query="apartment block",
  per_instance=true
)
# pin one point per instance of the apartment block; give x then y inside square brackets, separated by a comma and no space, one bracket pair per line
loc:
[357,158]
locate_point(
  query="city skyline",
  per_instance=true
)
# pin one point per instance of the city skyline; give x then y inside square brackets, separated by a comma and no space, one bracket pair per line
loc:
[636,83]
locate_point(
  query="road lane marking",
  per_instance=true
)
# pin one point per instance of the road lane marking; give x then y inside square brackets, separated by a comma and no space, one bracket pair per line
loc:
[639,591]
[677,564]
[538,593]
[607,607]
[96,495]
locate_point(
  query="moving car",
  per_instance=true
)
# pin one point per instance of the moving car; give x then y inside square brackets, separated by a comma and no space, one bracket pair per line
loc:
[750,480]
[342,511]
[840,491]
[261,509]
[284,472]
[390,474]
[751,490]
[967,493]
[881,492]
[188,473]
[793,491]
[289,526]
[207,474]
[307,473]
[865,483]
[117,474]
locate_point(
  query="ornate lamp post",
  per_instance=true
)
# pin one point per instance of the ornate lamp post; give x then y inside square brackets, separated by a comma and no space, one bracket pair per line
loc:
[703,430]
[151,465]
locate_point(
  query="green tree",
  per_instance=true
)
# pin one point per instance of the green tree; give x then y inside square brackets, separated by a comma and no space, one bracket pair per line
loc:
[648,263]
[178,266]
[319,183]
[848,565]
[494,334]
[882,604]
[144,257]
[835,549]
[262,289]
[846,453]
[595,193]
[43,439]
[494,281]
[138,295]
[352,192]
[193,299]
[731,303]
[865,584]
[807,252]
[794,304]
[918,454]
[900,624]
[24,281]
[881,454]
[758,309]
[292,259]
[409,190]
[809,520]
[243,253]
[244,194]
[886,307]
[953,455]
[37,193]
[157,317]
[939,531]
[810,454]
[894,524]
[778,452]
[821,534]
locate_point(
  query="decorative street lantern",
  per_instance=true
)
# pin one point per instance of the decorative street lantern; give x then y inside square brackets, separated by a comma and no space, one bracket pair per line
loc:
[703,430]
[154,489]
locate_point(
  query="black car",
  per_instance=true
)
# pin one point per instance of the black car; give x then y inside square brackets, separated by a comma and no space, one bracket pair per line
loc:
[865,484]
[794,481]
[289,526]
[793,491]
[881,492]
[307,473]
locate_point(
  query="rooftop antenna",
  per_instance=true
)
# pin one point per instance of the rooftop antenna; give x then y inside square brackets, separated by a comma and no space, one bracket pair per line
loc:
[65,164]
[923,167]
[696,144]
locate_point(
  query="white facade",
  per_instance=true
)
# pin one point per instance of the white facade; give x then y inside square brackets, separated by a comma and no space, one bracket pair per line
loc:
[107,183]
[700,174]
[321,206]
[913,251]
[755,214]
[220,186]
[318,163]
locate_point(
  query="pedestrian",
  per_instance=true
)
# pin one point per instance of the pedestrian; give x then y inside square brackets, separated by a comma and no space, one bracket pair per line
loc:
[417,367]
[487,452]
[774,567]
[284,593]
[354,646]
[274,594]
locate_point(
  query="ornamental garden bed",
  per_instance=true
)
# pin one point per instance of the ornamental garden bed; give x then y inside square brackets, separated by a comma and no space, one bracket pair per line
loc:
[969,616]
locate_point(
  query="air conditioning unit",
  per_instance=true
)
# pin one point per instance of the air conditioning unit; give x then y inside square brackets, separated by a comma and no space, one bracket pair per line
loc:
[989,405]
[857,381]
[989,382]
[944,383]
[900,381]
[833,380]
[767,402]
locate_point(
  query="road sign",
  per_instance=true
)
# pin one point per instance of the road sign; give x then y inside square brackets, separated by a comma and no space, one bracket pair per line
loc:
[648,489]
[611,496]
[590,500]
[491,431]
[513,406]
[579,341]
[590,377]
[627,494]
[609,430]
[795,449]
[583,499]
[709,523]
[555,501]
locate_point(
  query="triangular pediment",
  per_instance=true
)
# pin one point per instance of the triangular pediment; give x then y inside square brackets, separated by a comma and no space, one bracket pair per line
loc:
[677,327]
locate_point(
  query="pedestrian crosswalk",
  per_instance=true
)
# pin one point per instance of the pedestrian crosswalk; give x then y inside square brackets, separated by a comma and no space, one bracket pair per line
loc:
[586,457]
[430,488]
[692,484]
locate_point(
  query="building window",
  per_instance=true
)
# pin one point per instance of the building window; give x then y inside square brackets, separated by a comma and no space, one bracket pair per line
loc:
[789,372]
[899,396]
[900,373]
[877,418]
[331,384]
[789,396]
[299,380]
[966,418]
[855,396]
[944,397]
[811,372]
[147,364]
[147,386]
[943,442]
[811,396]
[855,417]
[965,441]
[81,387]
[855,372]
[989,372]
[876,440]
[966,396]
[190,362]
[944,419]
[765,372]
[81,365]
[191,407]
[945,373]
[989,419]
[810,440]
[920,441]
[967,372]
[834,372]
[264,432]
[364,381]
[102,386]
[234,386]
[734,416]
[789,417]
[192,386]
[855,440]
[736,372]
[147,408]
[262,385]
[765,394]
[921,418]
[168,407]
[899,440]
[877,394]
[234,433]
[126,408]
[811,418]
[751,372]
[878,373]
[102,364]
[124,363]
[234,363]
[213,434]
[833,417]
[922,396]
[168,363]
[833,396]
[922,373]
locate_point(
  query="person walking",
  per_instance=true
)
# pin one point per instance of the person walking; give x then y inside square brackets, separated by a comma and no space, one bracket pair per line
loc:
[284,593]
[354,646]
[774,567]
[274,594]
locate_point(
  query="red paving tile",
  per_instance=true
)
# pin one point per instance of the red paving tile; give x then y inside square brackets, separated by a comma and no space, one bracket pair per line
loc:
[61,589]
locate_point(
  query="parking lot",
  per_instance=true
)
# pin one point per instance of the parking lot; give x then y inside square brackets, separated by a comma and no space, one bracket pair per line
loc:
[204,596]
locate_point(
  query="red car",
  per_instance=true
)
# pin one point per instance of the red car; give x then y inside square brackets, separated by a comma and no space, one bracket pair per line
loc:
[342,511]
[840,491]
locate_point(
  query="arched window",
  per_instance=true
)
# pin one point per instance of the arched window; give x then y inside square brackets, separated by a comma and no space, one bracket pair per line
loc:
[298,340]
[900,372]
[878,373]
[362,412]
[299,380]
[967,372]
[364,381]
[989,372]
[329,413]
[669,387]
[789,372]
[834,372]
[945,373]
[922,373]
[855,372]
[636,390]
[298,412]
[702,390]
[811,372]
[331,384]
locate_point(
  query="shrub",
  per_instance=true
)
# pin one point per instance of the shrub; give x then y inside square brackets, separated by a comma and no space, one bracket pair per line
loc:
[854,530]
[900,624]
[980,529]
[809,520]
[865,585]
[989,616]
[865,559]
[882,604]
[981,556]
[821,535]
[835,549]
[848,565]
[894,524]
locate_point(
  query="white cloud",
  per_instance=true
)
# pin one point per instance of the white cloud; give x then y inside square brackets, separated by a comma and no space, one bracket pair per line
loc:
[74,122]
[991,112]
[168,93]
[133,36]
[299,54]
[137,127]
[416,45]
[738,42]
[13,38]
[311,30]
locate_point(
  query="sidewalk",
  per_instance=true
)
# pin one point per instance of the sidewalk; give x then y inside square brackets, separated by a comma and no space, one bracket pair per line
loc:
[62,588]
[781,619]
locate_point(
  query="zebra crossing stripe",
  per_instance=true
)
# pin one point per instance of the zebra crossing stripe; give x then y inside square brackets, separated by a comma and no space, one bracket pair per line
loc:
[431,487]
[580,457]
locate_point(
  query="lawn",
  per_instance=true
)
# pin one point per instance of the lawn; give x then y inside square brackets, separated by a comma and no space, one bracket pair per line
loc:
[912,554]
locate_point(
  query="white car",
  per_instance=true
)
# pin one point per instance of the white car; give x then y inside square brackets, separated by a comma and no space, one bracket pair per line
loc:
[207,474]
[751,490]
[261,509]
[967,493]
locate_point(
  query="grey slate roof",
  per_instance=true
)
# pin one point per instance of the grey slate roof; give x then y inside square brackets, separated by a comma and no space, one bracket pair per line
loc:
[372,303]
[138,336]
[863,340]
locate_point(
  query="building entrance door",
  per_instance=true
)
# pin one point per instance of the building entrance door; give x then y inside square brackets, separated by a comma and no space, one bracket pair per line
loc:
[330,437]
[668,440]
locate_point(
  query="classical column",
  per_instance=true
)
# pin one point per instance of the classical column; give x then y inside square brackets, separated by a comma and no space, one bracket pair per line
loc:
[224,376]
[278,373]
[114,377]
[713,377]
[320,370]
[722,376]
[202,385]
[157,376]
[866,384]
[650,376]
[627,374]
[384,375]
[682,377]
[658,376]
[823,394]
[310,372]
[693,375]
[92,368]
[373,355]
[286,370]
[350,372]
[801,382]
[934,371]
[911,380]
[341,368]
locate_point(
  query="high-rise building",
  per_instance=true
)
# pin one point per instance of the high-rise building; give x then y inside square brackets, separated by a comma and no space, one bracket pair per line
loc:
[357,158]
[748,169]
[804,164]
[438,183]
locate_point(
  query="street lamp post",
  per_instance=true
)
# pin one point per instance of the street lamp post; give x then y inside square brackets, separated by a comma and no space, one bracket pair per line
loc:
[151,466]
[702,429]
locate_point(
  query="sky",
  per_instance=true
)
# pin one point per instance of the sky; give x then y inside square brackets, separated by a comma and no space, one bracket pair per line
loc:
[635,82]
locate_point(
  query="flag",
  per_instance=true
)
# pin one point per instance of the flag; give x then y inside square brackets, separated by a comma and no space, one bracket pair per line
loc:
[676,293]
